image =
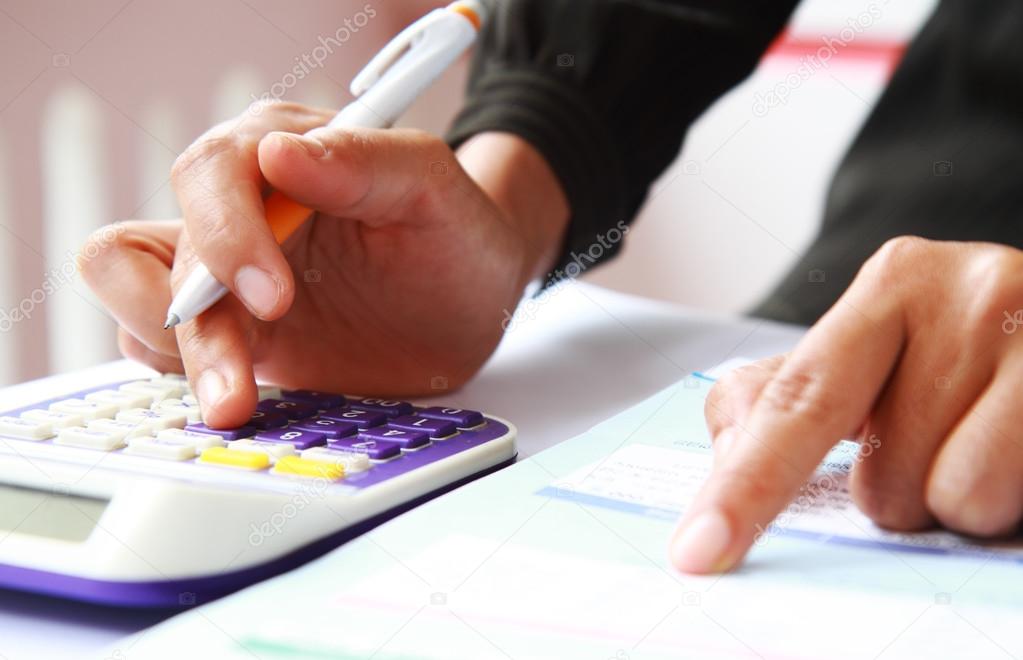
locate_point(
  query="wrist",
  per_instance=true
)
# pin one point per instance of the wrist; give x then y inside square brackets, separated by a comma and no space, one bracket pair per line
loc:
[518,180]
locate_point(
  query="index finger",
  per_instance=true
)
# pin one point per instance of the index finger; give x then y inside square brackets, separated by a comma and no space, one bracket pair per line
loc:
[826,386]
[220,189]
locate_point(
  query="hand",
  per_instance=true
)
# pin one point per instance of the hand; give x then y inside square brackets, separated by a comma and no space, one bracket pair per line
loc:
[396,286]
[920,356]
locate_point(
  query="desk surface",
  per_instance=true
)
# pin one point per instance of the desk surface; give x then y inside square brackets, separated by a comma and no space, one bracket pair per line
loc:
[572,358]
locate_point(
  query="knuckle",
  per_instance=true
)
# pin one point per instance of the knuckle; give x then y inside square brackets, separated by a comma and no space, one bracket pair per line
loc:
[800,394]
[191,161]
[889,264]
[100,243]
[284,109]
[884,502]
[211,226]
[972,505]
[995,286]
[716,400]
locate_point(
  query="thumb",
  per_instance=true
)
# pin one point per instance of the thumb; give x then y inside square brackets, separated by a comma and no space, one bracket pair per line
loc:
[374,175]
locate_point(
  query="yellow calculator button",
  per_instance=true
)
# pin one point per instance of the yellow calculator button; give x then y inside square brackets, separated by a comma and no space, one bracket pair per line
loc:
[248,460]
[304,467]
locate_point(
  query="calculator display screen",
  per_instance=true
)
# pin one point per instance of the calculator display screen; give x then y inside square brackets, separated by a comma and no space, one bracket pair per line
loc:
[45,513]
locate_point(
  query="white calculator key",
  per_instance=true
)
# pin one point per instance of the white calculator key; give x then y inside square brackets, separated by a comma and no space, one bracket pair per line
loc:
[79,436]
[58,420]
[89,410]
[118,427]
[273,449]
[190,399]
[168,450]
[176,379]
[351,461]
[26,429]
[199,440]
[178,406]
[121,399]
[157,420]
[158,391]
[268,392]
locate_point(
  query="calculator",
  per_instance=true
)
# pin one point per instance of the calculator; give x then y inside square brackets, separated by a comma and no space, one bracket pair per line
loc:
[120,495]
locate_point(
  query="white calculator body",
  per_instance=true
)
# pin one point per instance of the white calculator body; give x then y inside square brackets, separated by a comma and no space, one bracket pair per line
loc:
[117,494]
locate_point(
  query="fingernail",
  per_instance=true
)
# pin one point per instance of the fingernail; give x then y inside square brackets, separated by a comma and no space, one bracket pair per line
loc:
[313,147]
[700,546]
[257,289]
[211,388]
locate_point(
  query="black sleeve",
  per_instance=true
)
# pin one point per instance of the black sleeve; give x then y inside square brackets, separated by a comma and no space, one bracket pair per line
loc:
[605,90]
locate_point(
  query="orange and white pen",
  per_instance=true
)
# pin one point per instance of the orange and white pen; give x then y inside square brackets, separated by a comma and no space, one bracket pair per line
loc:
[383,91]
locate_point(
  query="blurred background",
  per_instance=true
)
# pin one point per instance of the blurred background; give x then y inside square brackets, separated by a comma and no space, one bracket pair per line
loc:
[98,98]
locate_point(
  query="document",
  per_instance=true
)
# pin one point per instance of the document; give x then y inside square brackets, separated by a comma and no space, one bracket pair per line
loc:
[659,482]
[564,556]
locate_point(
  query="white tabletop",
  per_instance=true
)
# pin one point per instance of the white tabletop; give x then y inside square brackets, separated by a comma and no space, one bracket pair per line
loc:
[572,358]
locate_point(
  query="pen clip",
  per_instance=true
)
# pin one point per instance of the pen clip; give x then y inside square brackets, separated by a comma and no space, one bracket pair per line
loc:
[393,52]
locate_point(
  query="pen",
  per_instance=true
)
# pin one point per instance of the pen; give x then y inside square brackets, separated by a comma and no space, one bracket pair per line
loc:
[383,90]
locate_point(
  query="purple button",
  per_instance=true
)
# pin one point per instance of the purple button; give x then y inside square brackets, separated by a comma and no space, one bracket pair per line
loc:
[384,406]
[267,420]
[226,434]
[463,419]
[360,418]
[435,428]
[298,439]
[377,450]
[319,400]
[290,409]
[406,439]
[330,428]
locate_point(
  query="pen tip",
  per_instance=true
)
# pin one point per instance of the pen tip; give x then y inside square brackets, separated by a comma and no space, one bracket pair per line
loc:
[172,320]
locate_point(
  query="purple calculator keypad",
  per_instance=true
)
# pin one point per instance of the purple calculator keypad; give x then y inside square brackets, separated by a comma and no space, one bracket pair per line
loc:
[361,418]
[435,428]
[463,419]
[388,407]
[299,439]
[318,400]
[405,439]
[377,450]
[226,434]
[264,420]
[291,409]
[330,428]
